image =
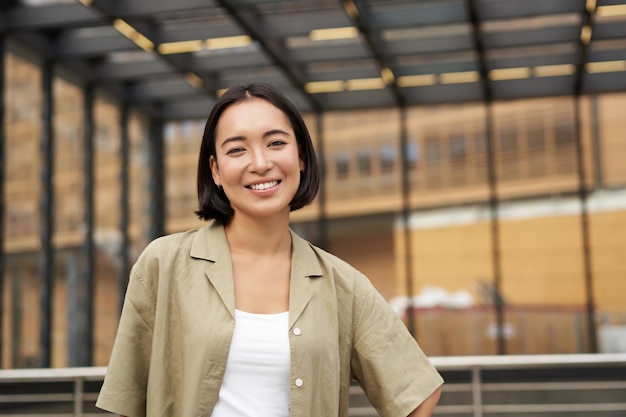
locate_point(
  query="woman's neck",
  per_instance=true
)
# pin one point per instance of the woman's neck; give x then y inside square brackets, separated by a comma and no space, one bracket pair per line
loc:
[258,236]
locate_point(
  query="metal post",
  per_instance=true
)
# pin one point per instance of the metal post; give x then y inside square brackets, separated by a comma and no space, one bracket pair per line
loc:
[495,229]
[46,208]
[477,398]
[2,202]
[156,185]
[322,221]
[406,220]
[16,317]
[124,263]
[597,143]
[81,318]
[586,238]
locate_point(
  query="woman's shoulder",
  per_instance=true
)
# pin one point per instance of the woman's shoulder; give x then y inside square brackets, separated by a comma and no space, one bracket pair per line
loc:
[175,245]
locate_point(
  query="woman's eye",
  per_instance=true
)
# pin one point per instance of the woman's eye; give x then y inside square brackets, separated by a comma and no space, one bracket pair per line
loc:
[234,150]
[277,142]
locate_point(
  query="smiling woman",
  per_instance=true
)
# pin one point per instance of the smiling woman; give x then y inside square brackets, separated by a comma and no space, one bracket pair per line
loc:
[243,317]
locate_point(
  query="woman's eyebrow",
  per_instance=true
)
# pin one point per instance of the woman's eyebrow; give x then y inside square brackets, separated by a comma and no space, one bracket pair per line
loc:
[243,138]
[274,132]
[232,139]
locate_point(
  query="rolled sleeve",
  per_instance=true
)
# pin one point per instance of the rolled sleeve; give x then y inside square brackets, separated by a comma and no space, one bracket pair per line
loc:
[386,360]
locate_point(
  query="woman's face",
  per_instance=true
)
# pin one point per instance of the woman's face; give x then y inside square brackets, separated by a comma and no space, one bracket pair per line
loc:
[257,160]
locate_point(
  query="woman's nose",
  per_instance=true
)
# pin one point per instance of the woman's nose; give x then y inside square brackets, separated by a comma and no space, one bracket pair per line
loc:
[261,162]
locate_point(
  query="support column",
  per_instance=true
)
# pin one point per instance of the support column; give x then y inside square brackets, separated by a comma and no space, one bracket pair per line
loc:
[406,219]
[46,218]
[2,180]
[156,186]
[124,250]
[321,197]
[586,235]
[81,285]
[495,229]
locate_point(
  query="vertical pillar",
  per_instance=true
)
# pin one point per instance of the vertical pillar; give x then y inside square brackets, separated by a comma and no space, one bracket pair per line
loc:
[323,220]
[156,185]
[584,224]
[495,229]
[81,285]
[597,143]
[2,202]
[46,218]
[406,218]
[124,263]
[16,316]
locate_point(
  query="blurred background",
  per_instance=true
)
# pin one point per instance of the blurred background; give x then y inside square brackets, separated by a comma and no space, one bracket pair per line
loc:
[473,156]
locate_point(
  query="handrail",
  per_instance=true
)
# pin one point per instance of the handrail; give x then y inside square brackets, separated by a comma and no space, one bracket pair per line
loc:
[81,396]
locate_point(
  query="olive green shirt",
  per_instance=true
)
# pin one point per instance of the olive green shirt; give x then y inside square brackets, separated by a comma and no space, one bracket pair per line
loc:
[173,340]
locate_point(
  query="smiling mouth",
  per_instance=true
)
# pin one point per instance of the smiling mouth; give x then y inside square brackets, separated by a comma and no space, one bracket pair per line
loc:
[263,185]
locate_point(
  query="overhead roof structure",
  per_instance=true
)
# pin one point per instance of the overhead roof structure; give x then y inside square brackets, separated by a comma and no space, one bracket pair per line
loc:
[171,58]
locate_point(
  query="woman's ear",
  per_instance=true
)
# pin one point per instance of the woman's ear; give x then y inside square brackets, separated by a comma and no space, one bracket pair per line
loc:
[215,171]
[301,165]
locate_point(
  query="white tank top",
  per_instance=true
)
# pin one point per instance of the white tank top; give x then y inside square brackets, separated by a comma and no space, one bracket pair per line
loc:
[256,381]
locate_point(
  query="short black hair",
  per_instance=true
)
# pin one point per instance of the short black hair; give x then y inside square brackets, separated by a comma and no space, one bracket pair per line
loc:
[212,201]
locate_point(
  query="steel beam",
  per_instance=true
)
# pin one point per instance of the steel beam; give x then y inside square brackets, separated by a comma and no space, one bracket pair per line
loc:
[46,218]
[124,249]
[2,181]
[80,315]
[156,184]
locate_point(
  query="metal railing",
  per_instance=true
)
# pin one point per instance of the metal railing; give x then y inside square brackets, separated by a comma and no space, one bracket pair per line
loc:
[476,386]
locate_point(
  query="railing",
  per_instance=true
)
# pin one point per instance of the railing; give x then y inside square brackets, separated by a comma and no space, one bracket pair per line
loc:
[476,386]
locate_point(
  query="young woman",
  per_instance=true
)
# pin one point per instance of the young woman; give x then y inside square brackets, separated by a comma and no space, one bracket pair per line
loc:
[243,317]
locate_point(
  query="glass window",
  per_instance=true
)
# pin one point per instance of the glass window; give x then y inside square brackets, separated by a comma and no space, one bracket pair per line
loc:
[508,135]
[342,164]
[458,150]
[364,162]
[387,157]
[563,133]
[433,150]
[412,154]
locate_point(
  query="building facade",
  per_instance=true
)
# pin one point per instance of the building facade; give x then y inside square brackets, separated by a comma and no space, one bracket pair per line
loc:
[519,205]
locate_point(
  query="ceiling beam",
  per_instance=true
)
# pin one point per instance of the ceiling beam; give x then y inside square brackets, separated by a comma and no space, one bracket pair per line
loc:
[358,14]
[249,24]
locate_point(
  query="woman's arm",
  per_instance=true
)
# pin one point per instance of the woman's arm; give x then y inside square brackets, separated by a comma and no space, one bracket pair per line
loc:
[426,408]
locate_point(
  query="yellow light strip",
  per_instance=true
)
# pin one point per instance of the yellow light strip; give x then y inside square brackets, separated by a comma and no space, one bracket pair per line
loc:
[554,70]
[351,8]
[348,32]
[131,33]
[180,47]
[365,84]
[606,66]
[459,77]
[193,80]
[509,73]
[228,42]
[417,80]
[585,34]
[324,87]
[614,10]
[591,6]
[387,75]
[86,2]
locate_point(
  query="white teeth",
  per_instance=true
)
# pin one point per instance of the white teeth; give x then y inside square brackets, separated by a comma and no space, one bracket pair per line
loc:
[264,186]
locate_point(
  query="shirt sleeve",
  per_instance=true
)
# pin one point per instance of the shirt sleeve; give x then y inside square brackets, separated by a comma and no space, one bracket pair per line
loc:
[125,384]
[386,360]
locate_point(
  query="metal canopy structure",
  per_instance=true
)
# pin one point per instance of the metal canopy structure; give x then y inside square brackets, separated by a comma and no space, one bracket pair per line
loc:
[171,58]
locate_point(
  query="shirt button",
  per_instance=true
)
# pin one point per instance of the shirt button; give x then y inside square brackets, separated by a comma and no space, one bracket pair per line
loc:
[299,382]
[297,331]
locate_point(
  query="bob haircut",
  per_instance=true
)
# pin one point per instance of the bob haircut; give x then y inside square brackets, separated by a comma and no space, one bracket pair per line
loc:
[212,201]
